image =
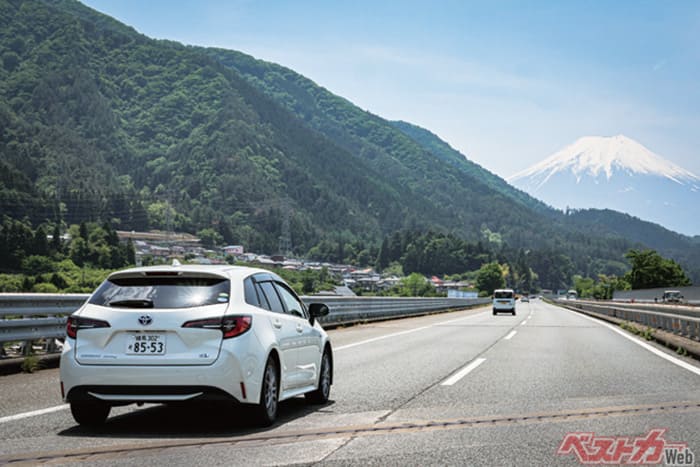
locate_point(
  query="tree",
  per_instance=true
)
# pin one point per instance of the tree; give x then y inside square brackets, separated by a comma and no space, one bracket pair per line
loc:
[40,244]
[84,231]
[210,237]
[650,269]
[56,239]
[490,278]
[415,285]
[130,252]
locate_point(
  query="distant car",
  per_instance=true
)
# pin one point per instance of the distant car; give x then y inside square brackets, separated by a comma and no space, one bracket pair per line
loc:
[504,300]
[181,334]
[525,299]
[672,296]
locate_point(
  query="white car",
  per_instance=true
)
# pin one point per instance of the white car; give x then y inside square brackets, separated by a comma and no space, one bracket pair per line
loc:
[166,334]
[504,300]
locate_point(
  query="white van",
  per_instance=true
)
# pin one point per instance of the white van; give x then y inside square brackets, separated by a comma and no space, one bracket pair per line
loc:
[504,300]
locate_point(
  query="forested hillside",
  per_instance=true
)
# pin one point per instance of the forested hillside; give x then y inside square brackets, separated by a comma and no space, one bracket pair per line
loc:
[100,123]
[461,195]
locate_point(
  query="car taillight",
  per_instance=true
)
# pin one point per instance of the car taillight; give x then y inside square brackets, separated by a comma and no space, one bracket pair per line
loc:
[230,326]
[76,323]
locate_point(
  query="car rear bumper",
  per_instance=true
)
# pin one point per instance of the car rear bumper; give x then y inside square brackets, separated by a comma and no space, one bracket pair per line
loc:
[155,394]
[226,379]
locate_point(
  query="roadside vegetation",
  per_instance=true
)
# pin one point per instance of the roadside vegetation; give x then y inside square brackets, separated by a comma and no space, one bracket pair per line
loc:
[55,257]
[649,270]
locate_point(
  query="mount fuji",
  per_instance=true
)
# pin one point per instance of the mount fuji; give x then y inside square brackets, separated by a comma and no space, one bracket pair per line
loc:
[616,173]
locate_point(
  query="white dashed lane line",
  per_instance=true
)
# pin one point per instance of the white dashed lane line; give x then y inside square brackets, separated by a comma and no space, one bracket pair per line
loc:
[33,413]
[463,372]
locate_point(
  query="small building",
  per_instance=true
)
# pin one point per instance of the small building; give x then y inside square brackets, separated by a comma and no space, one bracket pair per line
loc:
[233,250]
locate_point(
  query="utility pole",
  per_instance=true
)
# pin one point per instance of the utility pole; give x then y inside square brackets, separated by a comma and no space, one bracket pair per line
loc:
[168,216]
[285,239]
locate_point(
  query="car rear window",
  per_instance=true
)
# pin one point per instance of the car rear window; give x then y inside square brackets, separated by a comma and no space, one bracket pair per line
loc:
[503,295]
[162,292]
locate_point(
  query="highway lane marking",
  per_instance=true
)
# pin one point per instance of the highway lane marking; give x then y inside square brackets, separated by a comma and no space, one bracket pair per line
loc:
[33,413]
[527,318]
[510,335]
[378,338]
[401,333]
[655,351]
[463,372]
[460,319]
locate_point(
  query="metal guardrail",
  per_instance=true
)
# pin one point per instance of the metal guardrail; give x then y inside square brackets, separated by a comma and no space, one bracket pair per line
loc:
[691,295]
[29,317]
[350,310]
[673,309]
[685,325]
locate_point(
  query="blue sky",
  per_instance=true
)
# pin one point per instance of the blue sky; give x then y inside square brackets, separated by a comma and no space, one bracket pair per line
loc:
[507,83]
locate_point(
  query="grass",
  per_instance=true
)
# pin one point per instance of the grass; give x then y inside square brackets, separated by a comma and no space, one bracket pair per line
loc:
[30,364]
[647,333]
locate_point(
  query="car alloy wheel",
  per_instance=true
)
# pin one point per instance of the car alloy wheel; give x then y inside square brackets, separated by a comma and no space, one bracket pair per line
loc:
[267,409]
[320,395]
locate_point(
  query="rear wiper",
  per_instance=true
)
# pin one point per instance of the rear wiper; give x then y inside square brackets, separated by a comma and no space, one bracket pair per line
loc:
[133,303]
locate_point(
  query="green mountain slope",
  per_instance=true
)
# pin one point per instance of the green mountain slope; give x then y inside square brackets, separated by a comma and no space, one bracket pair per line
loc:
[465,197]
[450,156]
[105,122]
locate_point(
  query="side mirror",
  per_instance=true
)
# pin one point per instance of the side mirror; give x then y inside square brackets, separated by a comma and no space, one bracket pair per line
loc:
[316,310]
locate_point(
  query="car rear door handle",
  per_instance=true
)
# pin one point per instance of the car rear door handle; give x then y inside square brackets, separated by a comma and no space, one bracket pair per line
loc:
[277,324]
[300,328]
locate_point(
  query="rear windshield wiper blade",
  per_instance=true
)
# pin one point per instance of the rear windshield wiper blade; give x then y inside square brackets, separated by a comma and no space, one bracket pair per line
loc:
[133,303]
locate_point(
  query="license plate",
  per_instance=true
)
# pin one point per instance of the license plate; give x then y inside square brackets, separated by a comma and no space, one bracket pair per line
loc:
[145,344]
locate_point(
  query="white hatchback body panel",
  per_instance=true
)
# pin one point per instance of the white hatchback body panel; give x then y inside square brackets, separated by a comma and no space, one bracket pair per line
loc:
[176,345]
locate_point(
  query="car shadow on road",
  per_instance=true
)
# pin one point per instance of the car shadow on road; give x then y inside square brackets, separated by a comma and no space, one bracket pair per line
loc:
[193,421]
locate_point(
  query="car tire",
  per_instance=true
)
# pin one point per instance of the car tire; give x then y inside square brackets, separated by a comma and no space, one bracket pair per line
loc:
[269,395]
[494,312]
[320,395]
[513,312]
[90,413]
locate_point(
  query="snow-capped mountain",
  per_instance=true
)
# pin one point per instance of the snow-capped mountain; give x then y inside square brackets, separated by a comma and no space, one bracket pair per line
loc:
[616,173]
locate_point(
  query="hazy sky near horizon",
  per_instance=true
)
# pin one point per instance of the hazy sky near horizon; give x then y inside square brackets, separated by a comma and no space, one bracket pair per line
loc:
[507,83]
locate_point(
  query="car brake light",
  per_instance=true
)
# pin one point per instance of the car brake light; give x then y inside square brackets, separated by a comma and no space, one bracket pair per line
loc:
[76,323]
[230,326]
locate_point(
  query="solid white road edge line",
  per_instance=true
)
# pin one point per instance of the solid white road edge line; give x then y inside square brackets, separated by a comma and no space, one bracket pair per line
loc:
[463,372]
[378,338]
[401,333]
[655,351]
[33,413]
[510,335]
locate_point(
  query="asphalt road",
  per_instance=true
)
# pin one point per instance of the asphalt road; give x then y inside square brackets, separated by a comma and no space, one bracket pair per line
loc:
[464,388]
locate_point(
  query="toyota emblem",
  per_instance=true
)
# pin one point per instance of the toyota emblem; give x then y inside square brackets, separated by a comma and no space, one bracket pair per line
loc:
[145,320]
